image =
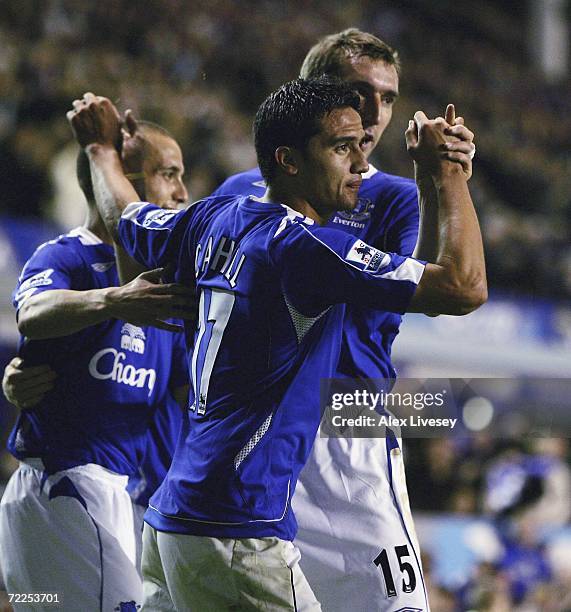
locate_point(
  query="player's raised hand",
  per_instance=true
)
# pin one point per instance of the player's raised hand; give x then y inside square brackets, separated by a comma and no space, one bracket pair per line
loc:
[95,120]
[426,142]
[460,147]
[26,386]
[148,301]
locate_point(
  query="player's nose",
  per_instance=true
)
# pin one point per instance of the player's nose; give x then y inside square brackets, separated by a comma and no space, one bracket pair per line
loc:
[180,194]
[359,163]
[371,110]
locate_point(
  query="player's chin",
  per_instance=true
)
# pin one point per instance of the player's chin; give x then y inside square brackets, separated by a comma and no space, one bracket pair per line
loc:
[349,199]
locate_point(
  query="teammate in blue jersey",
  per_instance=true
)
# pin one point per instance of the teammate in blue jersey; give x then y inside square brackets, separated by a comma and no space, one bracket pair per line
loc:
[387,211]
[155,166]
[77,445]
[273,286]
[351,502]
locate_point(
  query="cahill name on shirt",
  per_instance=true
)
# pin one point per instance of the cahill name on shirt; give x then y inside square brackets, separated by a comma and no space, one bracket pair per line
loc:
[223,259]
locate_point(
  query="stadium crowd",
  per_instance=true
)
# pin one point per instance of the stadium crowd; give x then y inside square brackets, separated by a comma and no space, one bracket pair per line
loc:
[523,489]
[202,73]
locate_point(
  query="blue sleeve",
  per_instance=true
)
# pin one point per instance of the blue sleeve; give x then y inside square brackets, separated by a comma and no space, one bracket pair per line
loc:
[321,266]
[152,235]
[402,234]
[52,266]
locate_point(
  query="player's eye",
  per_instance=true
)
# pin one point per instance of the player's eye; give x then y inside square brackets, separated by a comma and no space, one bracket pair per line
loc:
[388,99]
[342,148]
[168,174]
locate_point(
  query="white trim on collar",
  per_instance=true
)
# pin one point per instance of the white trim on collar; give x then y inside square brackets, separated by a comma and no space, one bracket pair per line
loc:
[370,172]
[86,237]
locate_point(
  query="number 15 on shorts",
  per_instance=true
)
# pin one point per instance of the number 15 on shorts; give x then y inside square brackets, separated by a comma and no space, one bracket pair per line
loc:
[408,580]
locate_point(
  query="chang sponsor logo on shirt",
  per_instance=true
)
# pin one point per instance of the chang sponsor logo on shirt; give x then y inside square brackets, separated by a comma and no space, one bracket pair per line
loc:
[371,259]
[109,364]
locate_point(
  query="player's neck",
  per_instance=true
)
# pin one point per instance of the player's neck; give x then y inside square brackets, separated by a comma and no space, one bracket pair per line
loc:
[297,203]
[94,223]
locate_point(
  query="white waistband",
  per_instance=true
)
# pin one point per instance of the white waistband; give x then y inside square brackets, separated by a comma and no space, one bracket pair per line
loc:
[89,469]
[34,462]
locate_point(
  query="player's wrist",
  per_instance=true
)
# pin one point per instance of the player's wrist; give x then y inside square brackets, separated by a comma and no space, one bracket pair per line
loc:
[98,150]
[107,305]
[423,177]
[448,172]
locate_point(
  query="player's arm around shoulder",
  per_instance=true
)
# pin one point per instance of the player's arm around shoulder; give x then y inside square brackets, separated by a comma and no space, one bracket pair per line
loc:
[143,301]
[45,298]
[61,312]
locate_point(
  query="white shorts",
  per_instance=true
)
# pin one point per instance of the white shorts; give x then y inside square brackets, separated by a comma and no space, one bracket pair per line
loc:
[70,534]
[356,534]
[201,574]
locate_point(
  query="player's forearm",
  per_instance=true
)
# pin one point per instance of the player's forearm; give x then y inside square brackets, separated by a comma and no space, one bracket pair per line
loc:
[460,249]
[113,191]
[427,244]
[53,314]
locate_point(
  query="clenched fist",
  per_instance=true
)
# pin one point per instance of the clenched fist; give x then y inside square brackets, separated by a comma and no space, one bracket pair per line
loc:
[95,120]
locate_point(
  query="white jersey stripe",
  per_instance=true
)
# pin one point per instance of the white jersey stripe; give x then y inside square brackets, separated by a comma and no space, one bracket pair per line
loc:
[130,213]
[409,270]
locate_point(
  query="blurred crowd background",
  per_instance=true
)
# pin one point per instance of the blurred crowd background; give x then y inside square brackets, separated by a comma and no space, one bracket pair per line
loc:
[201,68]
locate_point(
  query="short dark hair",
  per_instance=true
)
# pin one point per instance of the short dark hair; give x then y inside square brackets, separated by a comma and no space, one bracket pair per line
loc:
[328,54]
[290,116]
[148,127]
[83,171]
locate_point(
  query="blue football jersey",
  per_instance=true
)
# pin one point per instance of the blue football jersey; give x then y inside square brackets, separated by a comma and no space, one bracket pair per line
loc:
[385,217]
[111,376]
[162,436]
[273,287]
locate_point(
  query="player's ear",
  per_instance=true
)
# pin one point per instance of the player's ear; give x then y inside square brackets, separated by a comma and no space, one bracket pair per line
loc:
[286,159]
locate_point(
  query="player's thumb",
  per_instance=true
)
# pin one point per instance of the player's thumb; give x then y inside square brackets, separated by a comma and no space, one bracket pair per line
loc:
[420,120]
[411,135]
[450,115]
